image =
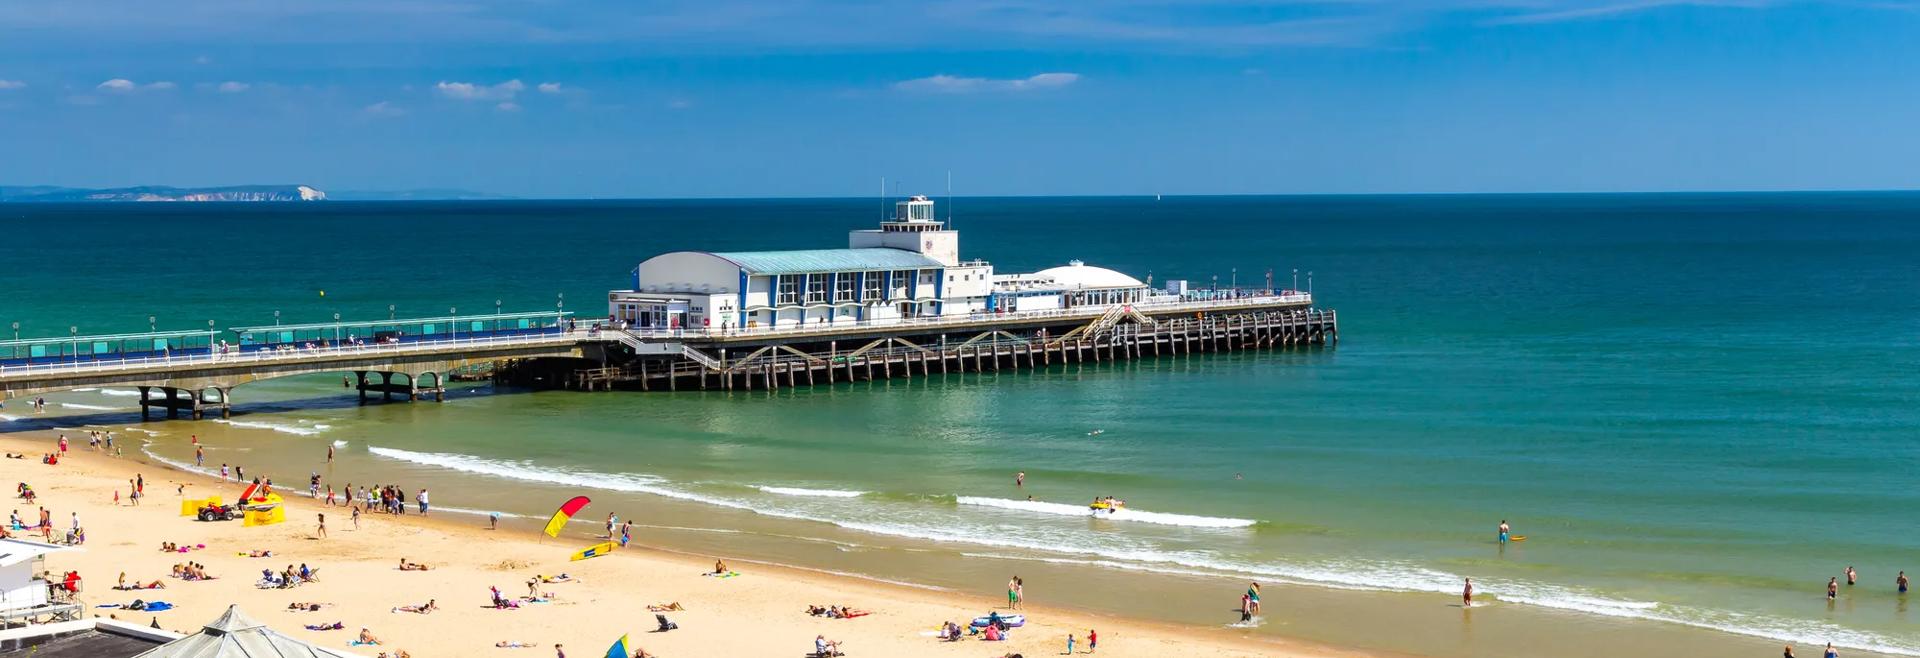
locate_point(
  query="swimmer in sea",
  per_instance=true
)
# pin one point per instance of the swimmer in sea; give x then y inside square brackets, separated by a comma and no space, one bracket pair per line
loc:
[1020,479]
[1902,582]
[1851,576]
[1833,588]
[1505,531]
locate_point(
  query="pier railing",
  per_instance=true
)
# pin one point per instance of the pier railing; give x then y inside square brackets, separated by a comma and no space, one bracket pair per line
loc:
[1089,312]
[240,356]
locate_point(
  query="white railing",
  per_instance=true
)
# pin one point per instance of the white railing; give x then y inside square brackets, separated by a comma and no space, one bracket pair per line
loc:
[1089,312]
[588,331]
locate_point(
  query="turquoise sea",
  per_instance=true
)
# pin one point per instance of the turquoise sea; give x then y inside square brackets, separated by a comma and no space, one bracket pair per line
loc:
[1698,407]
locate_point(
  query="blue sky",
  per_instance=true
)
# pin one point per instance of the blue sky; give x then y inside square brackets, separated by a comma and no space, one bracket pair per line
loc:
[672,98]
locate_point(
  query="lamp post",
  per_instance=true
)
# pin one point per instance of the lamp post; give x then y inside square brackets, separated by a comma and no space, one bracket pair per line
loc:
[336,329]
[74,333]
[389,312]
[454,312]
[1296,279]
[560,310]
[496,316]
[1213,289]
[153,324]
[276,317]
[16,331]
[1234,283]
[1309,282]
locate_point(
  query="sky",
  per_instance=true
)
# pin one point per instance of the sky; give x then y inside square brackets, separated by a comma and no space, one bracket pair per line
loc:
[702,98]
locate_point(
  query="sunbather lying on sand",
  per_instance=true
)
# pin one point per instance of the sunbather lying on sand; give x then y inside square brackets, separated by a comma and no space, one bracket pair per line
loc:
[335,626]
[514,644]
[308,607]
[413,566]
[257,553]
[423,608]
[666,607]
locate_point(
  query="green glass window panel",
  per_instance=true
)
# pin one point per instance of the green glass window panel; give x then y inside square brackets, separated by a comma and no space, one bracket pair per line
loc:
[36,350]
[159,344]
[427,329]
[101,347]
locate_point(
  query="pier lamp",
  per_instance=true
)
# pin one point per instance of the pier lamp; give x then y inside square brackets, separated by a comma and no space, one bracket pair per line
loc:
[496,312]
[1234,282]
[153,323]
[454,312]
[389,312]
[1215,286]
[74,333]
[276,317]
[1309,282]
[1296,278]
[16,331]
[336,329]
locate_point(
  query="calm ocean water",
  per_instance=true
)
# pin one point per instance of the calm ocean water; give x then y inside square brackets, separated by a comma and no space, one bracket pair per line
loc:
[1698,407]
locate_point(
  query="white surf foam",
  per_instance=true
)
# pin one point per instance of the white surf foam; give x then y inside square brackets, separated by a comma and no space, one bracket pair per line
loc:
[85,390]
[90,407]
[818,493]
[145,449]
[277,427]
[120,392]
[1350,574]
[136,429]
[8,418]
[1159,518]
[339,444]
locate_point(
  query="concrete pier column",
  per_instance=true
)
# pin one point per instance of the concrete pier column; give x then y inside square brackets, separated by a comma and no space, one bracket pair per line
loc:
[146,404]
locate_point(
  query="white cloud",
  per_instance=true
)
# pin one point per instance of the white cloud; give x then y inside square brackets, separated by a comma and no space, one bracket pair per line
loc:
[203,60]
[949,84]
[382,109]
[232,87]
[508,106]
[468,91]
[549,87]
[679,104]
[12,84]
[125,86]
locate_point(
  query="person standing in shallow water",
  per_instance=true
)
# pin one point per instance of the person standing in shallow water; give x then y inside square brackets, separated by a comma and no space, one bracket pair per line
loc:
[1901,581]
[1466,595]
[1851,576]
[1833,588]
[1505,531]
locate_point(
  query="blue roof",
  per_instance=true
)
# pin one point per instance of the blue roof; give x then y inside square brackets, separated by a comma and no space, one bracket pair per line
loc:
[805,261]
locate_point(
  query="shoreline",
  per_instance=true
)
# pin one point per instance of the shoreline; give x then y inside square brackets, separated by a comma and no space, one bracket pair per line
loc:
[903,612]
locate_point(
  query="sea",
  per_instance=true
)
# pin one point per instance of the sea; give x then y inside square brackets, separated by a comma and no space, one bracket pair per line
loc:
[1697,408]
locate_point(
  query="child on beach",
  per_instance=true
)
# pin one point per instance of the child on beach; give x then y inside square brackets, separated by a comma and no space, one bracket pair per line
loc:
[1093,641]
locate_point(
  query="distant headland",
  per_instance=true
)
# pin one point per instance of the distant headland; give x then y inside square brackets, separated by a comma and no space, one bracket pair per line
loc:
[46,193]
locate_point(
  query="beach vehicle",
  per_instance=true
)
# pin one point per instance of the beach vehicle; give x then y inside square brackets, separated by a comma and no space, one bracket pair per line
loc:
[219,513]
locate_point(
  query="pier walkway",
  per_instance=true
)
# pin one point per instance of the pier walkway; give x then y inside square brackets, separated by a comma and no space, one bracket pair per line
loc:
[194,372]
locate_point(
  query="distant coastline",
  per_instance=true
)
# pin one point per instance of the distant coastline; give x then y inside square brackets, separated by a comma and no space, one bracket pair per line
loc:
[149,193]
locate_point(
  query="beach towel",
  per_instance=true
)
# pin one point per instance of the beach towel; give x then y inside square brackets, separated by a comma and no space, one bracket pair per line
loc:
[158,606]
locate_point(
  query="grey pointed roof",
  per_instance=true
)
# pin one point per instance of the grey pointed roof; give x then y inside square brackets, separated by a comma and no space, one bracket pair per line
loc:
[236,635]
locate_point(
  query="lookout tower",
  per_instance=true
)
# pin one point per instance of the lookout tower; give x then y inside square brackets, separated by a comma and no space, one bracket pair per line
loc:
[912,228]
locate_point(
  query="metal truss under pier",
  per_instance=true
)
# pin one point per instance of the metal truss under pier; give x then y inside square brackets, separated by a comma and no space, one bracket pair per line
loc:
[1119,334]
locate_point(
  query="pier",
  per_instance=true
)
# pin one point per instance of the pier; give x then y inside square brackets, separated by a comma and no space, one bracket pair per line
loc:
[816,355]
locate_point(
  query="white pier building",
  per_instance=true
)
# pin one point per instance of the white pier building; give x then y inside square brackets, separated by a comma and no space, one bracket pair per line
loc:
[908,268]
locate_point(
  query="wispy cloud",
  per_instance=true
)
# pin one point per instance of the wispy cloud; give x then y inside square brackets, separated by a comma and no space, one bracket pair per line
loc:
[125,86]
[232,87]
[1560,12]
[468,91]
[508,106]
[949,84]
[550,88]
[6,85]
[383,109]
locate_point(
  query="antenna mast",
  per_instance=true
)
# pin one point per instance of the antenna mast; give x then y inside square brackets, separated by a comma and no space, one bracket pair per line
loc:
[949,199]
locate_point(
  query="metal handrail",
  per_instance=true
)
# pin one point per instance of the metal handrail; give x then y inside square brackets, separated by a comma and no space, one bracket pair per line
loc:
[297,355]
[1077,312]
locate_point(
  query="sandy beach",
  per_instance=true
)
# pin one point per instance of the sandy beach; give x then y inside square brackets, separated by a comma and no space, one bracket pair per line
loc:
[759,613]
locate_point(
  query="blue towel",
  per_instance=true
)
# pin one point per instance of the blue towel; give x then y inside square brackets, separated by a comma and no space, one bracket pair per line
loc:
[158,606]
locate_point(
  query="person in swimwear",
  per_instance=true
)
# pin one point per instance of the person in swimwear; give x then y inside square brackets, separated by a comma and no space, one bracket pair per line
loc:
[1833,588]
[1466,595]
[1505,531]
[1902,582]
[1253,597]
[1851,576]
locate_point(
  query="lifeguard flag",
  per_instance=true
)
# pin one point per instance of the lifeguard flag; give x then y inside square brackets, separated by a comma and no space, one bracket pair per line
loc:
[619,649]
[565,512]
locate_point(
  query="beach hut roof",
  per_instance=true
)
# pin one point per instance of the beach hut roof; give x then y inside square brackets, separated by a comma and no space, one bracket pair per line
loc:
[236,635]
